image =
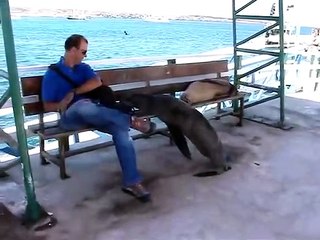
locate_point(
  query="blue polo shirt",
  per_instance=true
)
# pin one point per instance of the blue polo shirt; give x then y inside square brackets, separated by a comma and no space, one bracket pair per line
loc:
[55,87]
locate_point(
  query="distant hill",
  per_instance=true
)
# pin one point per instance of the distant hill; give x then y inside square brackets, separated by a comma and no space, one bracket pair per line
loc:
[20,12]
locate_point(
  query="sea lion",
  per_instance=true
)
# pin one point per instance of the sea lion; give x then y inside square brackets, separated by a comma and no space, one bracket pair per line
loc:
[181,120]
[203,90]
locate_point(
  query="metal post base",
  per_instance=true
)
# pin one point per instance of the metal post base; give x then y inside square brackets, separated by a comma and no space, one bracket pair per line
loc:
[8,219]
[268,122]
[45,221]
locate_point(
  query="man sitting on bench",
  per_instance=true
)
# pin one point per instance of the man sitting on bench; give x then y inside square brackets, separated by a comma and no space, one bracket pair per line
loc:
[78,112]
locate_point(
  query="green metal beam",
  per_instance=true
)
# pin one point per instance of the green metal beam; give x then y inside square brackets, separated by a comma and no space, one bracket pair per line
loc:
[273,61]
[4,98]
[33,209]
[258,34]
[281,41]
[263,100]
[259,86]
[255,51]
[245,6]
[256,17]
[3,73]
[235,55]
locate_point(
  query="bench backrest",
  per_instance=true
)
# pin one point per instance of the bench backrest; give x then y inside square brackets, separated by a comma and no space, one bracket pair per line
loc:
[152,79]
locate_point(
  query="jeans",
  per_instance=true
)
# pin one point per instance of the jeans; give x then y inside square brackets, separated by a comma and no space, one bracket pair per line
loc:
[85,113]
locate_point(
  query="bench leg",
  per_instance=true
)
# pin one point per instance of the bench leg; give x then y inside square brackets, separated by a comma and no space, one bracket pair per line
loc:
[241,109]
[171,142]
[42,158]
[167,134]
[62,164]
[218,110]
[66,144]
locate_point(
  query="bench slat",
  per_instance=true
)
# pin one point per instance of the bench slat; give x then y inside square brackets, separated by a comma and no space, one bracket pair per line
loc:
[220,99]
[128,75]
[36,127]
[33,108]
[57,132]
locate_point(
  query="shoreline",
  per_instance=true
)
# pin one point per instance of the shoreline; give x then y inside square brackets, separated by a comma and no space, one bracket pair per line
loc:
[17,13]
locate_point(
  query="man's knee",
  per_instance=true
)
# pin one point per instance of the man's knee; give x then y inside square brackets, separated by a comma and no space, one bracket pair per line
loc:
[89,110]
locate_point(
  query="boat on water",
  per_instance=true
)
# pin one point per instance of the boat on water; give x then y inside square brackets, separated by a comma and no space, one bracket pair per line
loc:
[77,15]
[161,19]
[76,18]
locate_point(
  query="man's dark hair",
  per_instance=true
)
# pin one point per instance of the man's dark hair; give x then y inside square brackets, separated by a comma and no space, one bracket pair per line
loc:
[74,41]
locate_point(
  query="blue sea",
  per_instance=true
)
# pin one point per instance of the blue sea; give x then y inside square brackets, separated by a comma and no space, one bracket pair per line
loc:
[40,40]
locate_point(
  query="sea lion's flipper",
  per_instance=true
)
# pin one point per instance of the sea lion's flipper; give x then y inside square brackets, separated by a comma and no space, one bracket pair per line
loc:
[212,172]
[179,139]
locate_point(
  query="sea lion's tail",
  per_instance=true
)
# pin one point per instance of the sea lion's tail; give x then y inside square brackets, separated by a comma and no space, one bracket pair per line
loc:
[218,171]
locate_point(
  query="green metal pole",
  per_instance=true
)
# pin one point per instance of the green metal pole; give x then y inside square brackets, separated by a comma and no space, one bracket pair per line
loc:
[33,209]
[281,58]
[235,58]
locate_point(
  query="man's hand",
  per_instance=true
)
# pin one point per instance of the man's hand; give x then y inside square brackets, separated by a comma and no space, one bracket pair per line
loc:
[65,102]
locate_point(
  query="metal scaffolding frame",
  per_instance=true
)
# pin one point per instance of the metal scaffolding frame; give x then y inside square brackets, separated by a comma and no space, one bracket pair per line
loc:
[278,58]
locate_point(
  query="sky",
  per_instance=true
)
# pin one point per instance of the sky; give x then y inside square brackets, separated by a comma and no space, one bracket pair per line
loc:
[305,10]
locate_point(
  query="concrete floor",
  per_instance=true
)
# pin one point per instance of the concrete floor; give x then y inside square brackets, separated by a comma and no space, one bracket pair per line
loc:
[272,191]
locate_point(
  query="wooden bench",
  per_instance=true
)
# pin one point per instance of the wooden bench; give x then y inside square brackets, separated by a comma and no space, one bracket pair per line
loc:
[167,79]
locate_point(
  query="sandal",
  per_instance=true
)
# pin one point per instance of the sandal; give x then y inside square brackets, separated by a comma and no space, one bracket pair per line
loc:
[138,191]
[143,125]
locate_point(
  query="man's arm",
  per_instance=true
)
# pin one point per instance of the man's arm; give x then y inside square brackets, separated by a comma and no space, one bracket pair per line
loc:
[89,85]
[92,80]
[63,105]
[59,106]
